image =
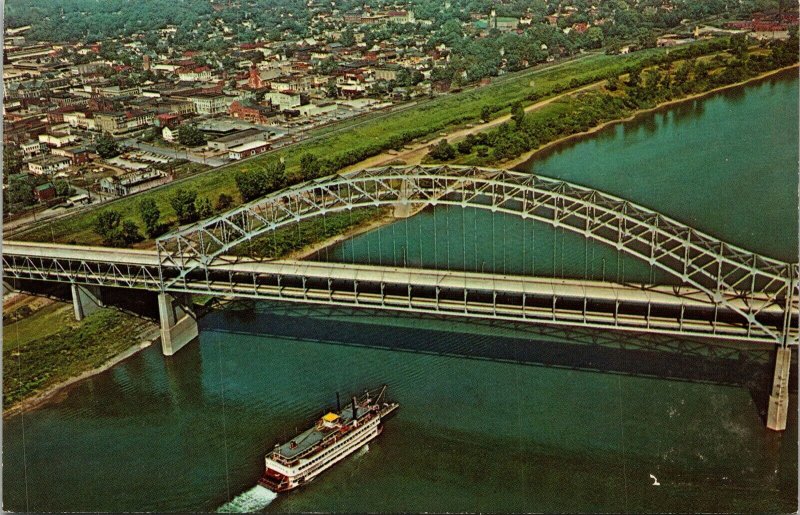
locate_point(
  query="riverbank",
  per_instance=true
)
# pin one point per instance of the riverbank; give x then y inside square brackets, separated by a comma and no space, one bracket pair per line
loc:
[59,390]
[385,218]
[414,154]
[527,156]
[46,352]
[417,153]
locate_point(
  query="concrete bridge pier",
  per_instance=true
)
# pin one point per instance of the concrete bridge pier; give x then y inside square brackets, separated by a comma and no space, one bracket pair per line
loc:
[178,322]
[778,409]
[403,208]
[8,287]
[86,300]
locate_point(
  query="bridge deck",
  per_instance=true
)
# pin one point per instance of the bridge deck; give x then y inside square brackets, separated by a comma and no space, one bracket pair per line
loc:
[511,284]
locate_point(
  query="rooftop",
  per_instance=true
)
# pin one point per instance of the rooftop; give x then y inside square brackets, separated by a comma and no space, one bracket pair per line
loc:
[239,134]
[244,147]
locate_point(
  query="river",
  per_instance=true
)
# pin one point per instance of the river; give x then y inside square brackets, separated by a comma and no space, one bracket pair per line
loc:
[493,417]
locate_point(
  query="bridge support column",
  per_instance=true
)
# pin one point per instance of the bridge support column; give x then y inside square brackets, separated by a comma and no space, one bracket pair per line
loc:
[778,409]
[86,300]
[178,323]
[403,209]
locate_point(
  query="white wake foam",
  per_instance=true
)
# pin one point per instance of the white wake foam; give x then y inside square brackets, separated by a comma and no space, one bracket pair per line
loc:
[255,499]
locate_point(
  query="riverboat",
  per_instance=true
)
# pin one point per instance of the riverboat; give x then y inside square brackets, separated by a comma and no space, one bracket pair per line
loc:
[331,439]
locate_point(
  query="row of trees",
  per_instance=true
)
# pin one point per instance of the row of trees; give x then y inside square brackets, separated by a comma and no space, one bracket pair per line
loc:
[643,86]
[188,206]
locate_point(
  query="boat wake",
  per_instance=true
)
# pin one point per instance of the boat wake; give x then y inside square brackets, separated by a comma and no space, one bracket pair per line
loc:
[255,499]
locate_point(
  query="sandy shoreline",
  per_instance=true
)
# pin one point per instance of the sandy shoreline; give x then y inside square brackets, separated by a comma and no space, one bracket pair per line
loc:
[59,390]
[578,135]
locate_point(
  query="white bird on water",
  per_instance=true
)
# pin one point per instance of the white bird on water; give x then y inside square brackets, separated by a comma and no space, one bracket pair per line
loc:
[655,480]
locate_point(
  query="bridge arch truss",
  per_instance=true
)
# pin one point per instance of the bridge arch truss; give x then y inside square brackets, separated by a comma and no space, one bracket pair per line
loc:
[731,278]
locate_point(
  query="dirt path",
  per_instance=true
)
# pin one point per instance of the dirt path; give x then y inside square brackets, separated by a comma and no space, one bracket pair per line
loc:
[413,154]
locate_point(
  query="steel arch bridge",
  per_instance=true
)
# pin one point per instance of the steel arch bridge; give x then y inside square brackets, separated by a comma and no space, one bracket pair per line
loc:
[728,277]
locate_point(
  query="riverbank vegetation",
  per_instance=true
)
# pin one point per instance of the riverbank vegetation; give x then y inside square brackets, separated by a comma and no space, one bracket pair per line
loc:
[642,87]
[295,237]
[333,151]
[47,347]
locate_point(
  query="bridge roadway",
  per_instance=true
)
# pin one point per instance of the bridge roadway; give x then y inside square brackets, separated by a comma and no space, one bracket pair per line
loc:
[664,309]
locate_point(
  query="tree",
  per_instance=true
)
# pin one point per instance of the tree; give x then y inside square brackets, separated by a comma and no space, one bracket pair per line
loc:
[115,232]
[203,207]
[150,134]
[130,233]
[224,201]
[274,176]
[464,146]
[12,159]
[331,90]
[20,191]
[189,135]
[518,114]
[62,188]
[309,166]
[257,183]
[635,77]
[442,151]
[249,184]
[486,113]
[182,201]
[738,45]
[347,39]
[107,225]
[106,147]
[150,214]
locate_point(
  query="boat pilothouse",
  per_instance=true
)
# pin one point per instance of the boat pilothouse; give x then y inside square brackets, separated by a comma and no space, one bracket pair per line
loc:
[332,438]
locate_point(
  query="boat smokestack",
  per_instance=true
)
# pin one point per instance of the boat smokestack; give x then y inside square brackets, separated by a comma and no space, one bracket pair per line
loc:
[355,412]
[338,404]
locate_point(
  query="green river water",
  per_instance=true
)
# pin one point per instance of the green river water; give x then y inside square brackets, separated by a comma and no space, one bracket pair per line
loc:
[493,417]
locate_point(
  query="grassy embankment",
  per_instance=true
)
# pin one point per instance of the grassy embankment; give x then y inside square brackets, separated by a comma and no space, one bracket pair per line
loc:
[370,137]
[46,348]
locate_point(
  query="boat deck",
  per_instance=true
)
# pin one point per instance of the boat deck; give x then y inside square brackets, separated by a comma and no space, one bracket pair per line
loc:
[313,436]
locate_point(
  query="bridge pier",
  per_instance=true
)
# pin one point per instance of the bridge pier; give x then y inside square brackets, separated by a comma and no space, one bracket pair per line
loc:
[85,300]
[178,322]
[778,409]
[403,208]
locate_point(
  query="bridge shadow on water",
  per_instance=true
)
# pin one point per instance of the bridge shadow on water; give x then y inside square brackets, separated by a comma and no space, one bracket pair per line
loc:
[603,351]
